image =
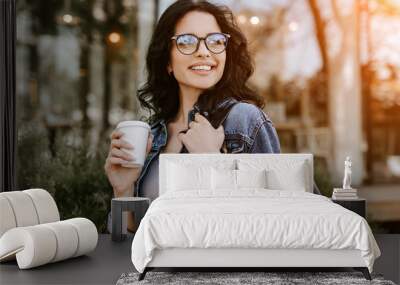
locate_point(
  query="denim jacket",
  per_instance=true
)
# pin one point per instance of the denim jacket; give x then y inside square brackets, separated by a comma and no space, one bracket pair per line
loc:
[247,130]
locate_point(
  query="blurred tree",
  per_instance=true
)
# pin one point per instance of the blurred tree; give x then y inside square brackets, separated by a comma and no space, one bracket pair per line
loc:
[108,18]
[337,33]
[319,25]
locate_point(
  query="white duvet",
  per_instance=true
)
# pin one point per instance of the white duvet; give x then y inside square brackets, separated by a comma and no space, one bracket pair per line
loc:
[251,218]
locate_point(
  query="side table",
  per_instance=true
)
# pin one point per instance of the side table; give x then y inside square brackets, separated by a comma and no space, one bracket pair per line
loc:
[358,205]
[138,205]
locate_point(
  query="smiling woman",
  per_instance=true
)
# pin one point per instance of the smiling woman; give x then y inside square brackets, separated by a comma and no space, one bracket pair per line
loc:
[198,67]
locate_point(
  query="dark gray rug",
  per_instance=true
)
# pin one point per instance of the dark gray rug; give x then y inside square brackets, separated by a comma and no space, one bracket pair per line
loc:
[273,278]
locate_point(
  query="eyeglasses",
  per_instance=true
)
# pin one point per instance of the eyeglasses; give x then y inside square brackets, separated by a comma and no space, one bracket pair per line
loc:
[189,43]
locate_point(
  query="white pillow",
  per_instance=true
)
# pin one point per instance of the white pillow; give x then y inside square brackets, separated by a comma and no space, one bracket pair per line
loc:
[223,179]
[294,180]
[189,174]
[182,177]
[237,179]
[251,178]
[281,174]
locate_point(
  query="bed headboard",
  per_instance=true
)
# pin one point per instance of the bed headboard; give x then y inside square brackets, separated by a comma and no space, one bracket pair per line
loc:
[276,160]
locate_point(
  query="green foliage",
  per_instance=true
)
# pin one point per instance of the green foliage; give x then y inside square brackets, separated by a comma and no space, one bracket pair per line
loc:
[74,176]
[34,161]
[322,177]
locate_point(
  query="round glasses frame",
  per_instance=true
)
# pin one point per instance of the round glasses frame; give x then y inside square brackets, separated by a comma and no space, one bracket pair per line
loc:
[199,39]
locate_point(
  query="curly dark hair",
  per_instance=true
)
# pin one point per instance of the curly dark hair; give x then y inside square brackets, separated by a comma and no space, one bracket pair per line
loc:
[160,93]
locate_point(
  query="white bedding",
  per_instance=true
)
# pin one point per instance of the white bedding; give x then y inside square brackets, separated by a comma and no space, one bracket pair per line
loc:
[250,218]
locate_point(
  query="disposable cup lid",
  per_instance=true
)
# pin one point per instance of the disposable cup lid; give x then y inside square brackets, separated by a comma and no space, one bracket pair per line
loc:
[133,124]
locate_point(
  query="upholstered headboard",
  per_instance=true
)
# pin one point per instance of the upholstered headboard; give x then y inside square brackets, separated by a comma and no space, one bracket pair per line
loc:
[283,164]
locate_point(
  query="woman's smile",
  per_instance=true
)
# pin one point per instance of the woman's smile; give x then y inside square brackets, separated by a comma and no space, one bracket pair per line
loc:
[202,68]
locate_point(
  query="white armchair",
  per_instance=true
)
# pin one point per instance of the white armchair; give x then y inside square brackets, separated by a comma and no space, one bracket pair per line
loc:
[31,231]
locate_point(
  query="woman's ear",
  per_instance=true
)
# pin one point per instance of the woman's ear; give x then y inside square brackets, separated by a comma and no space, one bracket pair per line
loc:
[169,69]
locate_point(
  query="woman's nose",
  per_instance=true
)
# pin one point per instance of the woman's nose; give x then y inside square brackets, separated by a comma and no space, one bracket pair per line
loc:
[203,50]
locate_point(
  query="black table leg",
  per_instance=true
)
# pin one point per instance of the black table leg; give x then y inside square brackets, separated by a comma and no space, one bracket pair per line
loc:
[116,212]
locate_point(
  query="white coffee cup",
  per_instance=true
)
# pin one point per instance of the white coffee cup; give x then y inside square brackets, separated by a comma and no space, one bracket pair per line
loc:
[136,133]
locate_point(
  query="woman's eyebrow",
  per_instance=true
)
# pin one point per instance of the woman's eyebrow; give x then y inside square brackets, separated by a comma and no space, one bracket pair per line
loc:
[192,33]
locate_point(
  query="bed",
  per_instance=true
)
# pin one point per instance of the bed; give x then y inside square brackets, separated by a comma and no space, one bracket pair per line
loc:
[245,211]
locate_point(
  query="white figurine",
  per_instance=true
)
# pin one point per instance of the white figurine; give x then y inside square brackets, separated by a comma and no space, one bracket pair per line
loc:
[347,174]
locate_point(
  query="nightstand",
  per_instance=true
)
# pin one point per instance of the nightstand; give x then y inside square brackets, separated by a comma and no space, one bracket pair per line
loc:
[356,205]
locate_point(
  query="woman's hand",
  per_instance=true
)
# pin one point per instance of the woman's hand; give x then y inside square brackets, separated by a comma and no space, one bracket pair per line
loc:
[202,137]
[122,178]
